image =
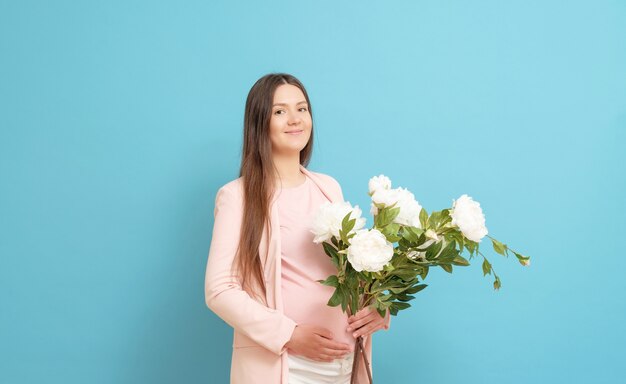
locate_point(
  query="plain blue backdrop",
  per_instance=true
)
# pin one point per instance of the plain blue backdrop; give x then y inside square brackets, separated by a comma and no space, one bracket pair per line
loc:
[119,120]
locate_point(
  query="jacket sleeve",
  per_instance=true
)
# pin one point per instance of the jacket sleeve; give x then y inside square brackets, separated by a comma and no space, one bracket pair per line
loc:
[223,292]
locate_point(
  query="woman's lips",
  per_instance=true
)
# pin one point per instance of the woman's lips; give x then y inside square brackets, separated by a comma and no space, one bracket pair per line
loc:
[297,132]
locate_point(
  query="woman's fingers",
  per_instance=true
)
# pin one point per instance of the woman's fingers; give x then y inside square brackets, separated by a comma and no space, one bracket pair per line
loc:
[334,353]
[367,324]
[359,315]
[356,324]
[327,350]
[333,345]
[368,329]
[323,332]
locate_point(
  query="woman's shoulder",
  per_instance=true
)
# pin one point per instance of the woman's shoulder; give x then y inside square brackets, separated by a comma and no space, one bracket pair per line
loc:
[325,177]
[232,189]
[329,181]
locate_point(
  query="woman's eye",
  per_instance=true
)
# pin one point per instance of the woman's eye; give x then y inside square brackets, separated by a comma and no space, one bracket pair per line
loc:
[279,112]
[304,109]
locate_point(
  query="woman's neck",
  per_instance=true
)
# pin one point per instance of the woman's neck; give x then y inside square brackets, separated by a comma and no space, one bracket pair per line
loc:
[288,168]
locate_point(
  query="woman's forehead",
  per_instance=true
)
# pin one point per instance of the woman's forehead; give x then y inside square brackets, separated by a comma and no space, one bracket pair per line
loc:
[288,94]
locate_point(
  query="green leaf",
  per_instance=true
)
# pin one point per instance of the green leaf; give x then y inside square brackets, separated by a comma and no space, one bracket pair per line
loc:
[409,235]
[433,220]
[460,261]
[329,249]
[446,267]
[471,246]
[423,217]
[433,250]
[344,221]
[386,216]
[332,252]
[397,290]
[499,247]
[404,273]
[524,260]
[391,232]
[424,272]
[445,217]
[400,305]
[355,302]
[404,297]
[336,299]
[345,297]
[486,268]
[331,281]
[349,226]
[416,288]
[448,254]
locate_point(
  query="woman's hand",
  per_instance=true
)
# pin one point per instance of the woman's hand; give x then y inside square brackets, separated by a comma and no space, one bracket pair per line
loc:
[316,343]
[365,322]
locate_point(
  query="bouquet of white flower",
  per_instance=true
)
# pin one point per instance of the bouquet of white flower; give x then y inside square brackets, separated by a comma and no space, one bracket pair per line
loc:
[384,266]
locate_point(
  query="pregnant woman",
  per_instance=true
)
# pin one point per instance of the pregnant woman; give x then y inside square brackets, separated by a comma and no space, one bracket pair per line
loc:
[263,266]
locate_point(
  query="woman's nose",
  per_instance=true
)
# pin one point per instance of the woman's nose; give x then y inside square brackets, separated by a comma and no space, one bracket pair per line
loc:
[294,119]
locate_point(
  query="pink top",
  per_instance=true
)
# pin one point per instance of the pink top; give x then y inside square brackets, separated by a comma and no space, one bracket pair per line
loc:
[304,262]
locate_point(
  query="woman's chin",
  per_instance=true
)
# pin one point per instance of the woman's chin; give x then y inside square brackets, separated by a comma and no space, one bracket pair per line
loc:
[291,149]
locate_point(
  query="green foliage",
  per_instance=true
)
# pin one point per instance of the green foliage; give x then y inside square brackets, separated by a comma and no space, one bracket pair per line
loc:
[331,281]
[499,247]
[460,261]
[391,232]
[336,299]
[521,258]
[438,219]
[332,252]
[423,218]
[448,254]
[347,225]
[486,267]
[471,246]
[385,216]
[433,250]
[399,281]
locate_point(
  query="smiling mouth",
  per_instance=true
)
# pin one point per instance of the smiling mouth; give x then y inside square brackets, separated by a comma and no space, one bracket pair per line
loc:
[295,132]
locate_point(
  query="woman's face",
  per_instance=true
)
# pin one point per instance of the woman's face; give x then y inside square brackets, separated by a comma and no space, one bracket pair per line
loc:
[290,124]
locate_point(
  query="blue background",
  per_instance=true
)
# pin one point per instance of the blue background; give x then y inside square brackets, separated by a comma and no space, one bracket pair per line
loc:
[120,120]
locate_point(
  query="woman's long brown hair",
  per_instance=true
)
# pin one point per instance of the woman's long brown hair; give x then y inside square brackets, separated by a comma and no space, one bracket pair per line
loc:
[259,173]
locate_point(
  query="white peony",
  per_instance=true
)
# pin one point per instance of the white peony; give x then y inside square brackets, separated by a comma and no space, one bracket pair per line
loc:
[327,221]
[369,250]
[409,209]
[386,197]
[468,217]
[373,209]
[378,182]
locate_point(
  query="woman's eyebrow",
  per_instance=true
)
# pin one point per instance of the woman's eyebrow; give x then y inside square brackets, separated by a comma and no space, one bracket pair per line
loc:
[285,104]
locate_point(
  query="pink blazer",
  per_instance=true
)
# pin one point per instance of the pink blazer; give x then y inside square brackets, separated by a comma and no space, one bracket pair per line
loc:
[260,327]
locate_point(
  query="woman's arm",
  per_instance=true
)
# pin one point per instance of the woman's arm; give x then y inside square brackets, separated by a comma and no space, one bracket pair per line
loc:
[223,293]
